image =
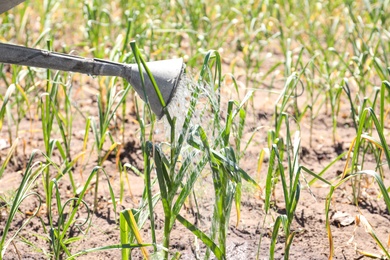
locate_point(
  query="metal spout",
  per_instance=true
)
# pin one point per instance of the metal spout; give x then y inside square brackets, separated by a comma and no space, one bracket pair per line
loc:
[167,73]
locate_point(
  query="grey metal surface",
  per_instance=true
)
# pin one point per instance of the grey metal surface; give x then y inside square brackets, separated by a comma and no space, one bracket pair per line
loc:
[5,5]
[167,73]
[19,55]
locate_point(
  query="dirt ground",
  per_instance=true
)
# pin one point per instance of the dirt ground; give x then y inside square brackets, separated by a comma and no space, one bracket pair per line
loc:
[311,241]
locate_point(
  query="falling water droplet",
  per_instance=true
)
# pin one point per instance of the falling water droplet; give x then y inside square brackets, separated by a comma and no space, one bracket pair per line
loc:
[180,104]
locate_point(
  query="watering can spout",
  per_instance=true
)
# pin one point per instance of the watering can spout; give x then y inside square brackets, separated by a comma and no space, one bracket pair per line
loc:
[167,73]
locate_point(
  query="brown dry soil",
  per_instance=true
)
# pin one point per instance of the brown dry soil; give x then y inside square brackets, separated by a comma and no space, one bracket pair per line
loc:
[310,242]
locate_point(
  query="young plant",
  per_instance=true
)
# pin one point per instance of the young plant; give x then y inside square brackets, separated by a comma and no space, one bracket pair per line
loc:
[32,172]
[364,120]
[48,100]
[101,131]
[58,233]
[290,182]
[221,157]
[355,150]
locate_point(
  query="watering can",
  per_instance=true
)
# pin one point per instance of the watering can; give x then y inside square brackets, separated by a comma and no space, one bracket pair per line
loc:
[167,73]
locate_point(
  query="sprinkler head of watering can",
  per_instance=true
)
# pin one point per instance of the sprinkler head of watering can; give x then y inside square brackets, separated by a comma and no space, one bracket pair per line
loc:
[166,73]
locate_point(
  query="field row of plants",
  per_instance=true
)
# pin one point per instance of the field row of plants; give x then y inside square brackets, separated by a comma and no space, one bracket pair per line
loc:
[64,135]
